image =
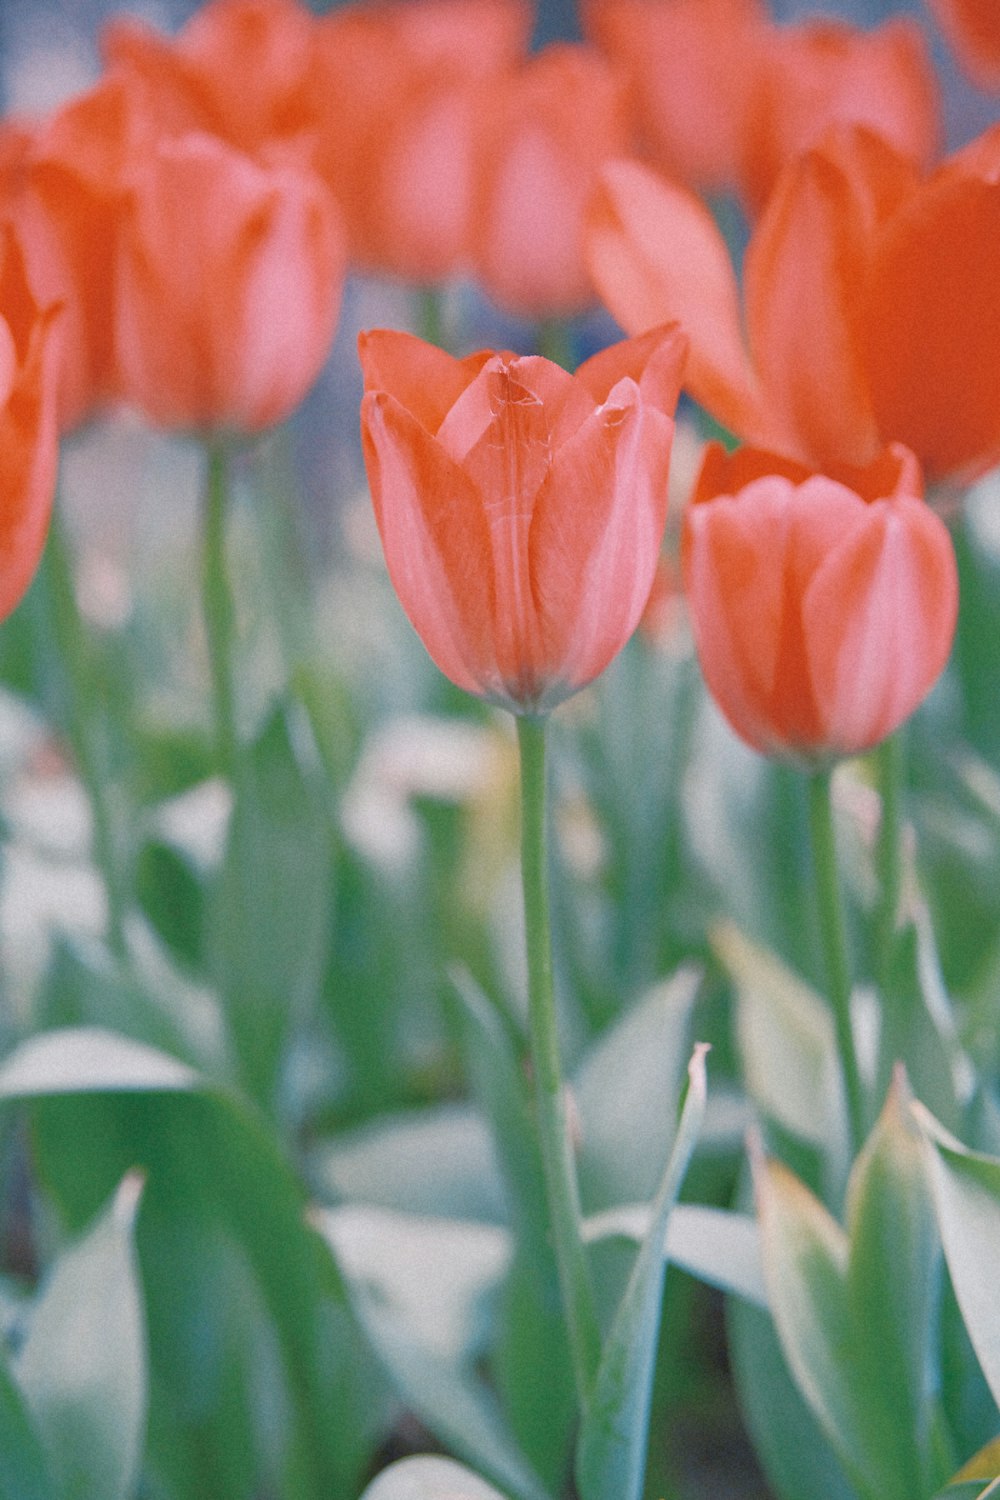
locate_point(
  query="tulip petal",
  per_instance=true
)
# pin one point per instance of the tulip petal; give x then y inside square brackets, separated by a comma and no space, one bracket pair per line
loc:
[423,378]
[654,360]
[596,535]
[655,255]
[28,461]
[878,619]
[436,541]
[932,326]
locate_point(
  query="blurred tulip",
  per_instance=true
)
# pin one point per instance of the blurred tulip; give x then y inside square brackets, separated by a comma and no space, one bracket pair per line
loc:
[691,66]
[872,303]
[228,288]
[62,189]
[823,613]
[396,91]
[239,69]
[973,29]
[28,426]
[818,74]
[520,508]
[547,130]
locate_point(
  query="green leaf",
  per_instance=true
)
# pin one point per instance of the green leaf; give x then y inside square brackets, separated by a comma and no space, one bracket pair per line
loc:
[967,1194]
[719,1247]
[24,1471]
[427,1477]
[893,1295]
[82,1368]
[611,1452]
[270,918]
[619,1091]
[787,1045]
[791,1446]
[222,1224]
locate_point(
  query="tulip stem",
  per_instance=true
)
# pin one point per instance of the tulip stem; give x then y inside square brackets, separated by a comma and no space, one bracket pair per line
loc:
[833,931]
[555,342]
[432,316]
[550,1101]
[217,602]
[889,762]
[84,721]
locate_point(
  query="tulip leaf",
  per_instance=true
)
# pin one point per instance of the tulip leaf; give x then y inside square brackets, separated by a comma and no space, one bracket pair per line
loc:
[24,1470]
[984,1465]
[82,1368]
[893,1292]
[967,1194]
[427,1477]
[426,1350]
[221,1233]
[619,1088]
[719,1247]
[270,914]
[791,1446]
[611,1451]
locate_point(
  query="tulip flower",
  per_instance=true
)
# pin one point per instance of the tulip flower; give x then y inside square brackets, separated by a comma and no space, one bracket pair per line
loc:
[690,65]
[397,101]
[228,287]
[871,301]
[521,508]
[818,74]
[823,610]
[973,29]
[547,130]
[28,425]
[239,69]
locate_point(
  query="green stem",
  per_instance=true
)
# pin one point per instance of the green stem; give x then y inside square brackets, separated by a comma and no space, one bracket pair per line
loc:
[889,762]
[557,1150]
[555,342]
[431,316]
[84,722]
[217,603]
[832,929]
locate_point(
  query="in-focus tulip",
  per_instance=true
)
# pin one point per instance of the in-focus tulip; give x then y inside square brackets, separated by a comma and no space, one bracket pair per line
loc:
[28,424]
[823,611]
[871,301]
[521,508]
[228,288]
[547,129]
[973,29]
[691,64]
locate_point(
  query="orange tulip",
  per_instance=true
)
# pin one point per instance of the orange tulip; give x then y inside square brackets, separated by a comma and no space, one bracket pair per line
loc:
[28,426]
[397,99]
[547,130]
[239,69]
[973,29]
[228,287]
[823,611]
[521,509]
[872,301]
[691,66]
[812,76]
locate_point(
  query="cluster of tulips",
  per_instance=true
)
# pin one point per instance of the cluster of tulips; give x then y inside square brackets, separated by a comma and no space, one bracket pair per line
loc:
[177,238]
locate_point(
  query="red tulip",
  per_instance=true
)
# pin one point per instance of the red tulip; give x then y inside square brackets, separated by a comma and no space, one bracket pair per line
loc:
[521,509]
[228,287]
[823,611]
[547,130]
[872,301]
[973,28]
[818,74]
[28,426]
[691,64]
[397,100]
